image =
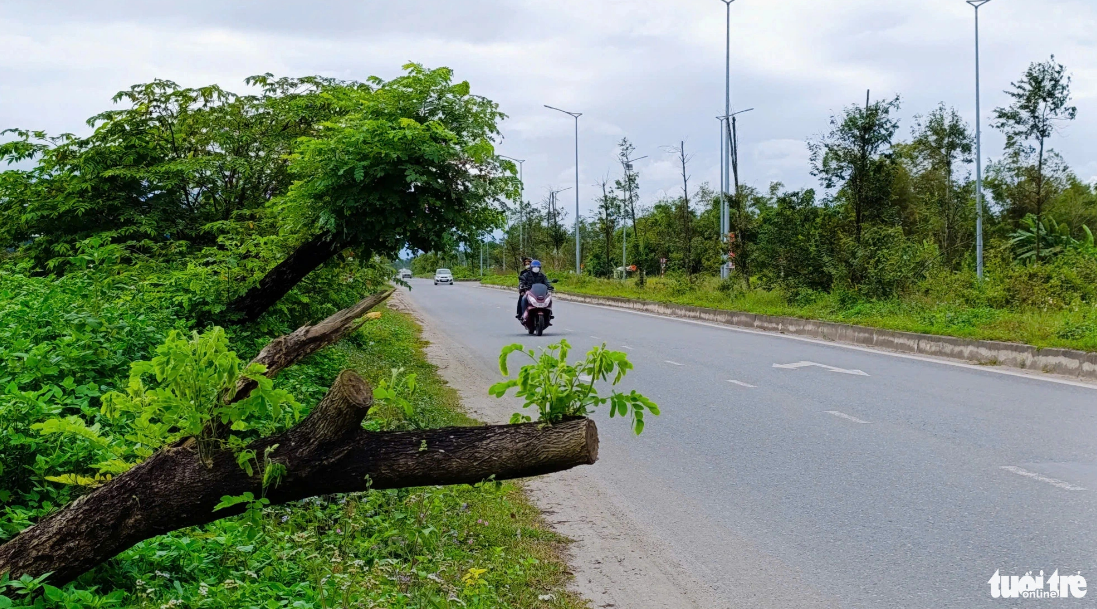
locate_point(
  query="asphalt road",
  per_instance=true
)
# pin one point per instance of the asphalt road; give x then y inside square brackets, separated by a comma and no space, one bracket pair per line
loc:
[868,480]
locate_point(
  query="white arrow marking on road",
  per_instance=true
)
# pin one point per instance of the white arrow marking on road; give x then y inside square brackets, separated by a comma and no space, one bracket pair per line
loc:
[842,415]
[1052,481]
[741,384]
[831,368]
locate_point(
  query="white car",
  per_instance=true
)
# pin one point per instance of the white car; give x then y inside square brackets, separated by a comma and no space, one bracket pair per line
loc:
[443,276]
[404,274]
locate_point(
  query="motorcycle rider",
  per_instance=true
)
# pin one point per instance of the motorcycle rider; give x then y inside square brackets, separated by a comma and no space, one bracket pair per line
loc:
[522,285]
[527,280]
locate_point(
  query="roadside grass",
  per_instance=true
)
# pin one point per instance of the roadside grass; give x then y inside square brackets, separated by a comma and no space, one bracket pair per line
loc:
[1071,328]
[438,547]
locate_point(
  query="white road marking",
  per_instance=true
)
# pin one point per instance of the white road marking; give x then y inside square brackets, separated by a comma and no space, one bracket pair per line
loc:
[1066,486]
[842,415]
[831,368]
[625,347]
[741,384]
[584,378]
[1035,376]
[595,338]
[674,363]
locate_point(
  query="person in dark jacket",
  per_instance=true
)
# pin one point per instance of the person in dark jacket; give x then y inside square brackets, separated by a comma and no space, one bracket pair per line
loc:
[526,281]
[523,275]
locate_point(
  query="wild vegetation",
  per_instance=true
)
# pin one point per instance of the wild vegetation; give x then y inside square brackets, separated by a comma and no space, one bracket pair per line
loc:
[889,240]
[158,273]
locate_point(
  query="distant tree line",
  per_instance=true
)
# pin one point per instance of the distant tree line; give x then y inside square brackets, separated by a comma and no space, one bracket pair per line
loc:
[892,211]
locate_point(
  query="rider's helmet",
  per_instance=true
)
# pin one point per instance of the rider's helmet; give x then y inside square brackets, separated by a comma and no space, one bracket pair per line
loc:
[536,266]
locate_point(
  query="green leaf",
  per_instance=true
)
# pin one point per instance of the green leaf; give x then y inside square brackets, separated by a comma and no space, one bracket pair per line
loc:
[500,389]
[231,500]
[507,350]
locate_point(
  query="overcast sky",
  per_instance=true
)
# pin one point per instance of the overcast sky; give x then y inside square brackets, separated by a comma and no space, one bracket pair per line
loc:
[651,70]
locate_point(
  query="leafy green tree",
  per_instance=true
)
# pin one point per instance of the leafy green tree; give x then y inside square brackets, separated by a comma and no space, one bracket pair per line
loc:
[166,168]
[1040,102]
[942,141]
[855,157]
[554,216]
[610,209]
[629,188]
[412,161]
[788,247]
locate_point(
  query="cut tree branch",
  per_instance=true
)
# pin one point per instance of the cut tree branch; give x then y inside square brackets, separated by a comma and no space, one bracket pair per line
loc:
[326,453]
[284,351]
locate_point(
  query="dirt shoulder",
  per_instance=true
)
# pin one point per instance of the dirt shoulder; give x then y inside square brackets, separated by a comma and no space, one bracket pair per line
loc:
[616,561]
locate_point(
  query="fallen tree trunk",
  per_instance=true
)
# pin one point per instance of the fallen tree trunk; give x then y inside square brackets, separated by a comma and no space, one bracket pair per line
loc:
[326,453]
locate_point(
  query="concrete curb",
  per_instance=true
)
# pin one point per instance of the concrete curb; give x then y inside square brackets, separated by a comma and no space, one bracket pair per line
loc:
[1067,362]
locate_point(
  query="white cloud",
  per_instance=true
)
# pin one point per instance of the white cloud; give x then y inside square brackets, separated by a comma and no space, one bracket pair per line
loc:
[649,69]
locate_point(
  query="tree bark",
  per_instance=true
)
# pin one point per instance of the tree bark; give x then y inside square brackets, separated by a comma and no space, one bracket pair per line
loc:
[282,278]
[326,453]
[284,351]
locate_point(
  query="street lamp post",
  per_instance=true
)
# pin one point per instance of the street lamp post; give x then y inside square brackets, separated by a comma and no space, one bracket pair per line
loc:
[575,115]
[978,151]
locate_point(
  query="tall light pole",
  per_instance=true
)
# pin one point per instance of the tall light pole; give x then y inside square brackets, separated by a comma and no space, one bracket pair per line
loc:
[575,115]
[627,165]
[725,223]
[521,200]
[978,151]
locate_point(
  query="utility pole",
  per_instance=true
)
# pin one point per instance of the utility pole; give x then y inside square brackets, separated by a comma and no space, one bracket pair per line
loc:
[978,151]
[575,115]
[725,224]
[728,132]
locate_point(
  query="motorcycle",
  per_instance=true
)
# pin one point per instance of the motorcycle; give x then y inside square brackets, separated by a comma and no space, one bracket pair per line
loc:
[538,314]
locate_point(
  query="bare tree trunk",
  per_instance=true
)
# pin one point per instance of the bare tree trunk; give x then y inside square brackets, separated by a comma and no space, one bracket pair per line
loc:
[686,214]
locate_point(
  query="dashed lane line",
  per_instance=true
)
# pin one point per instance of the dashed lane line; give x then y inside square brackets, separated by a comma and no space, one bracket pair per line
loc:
[842,415]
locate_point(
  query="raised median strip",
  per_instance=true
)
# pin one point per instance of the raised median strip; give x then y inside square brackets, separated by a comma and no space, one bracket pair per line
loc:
[1067,362]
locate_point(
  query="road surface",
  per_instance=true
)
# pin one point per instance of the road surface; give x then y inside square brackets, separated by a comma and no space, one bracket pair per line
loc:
[792,473]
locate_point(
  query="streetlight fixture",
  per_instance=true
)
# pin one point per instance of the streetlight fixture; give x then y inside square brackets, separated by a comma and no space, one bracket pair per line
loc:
[978,151]
[521,197]
[624,229]
[575,115]
[724,145]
